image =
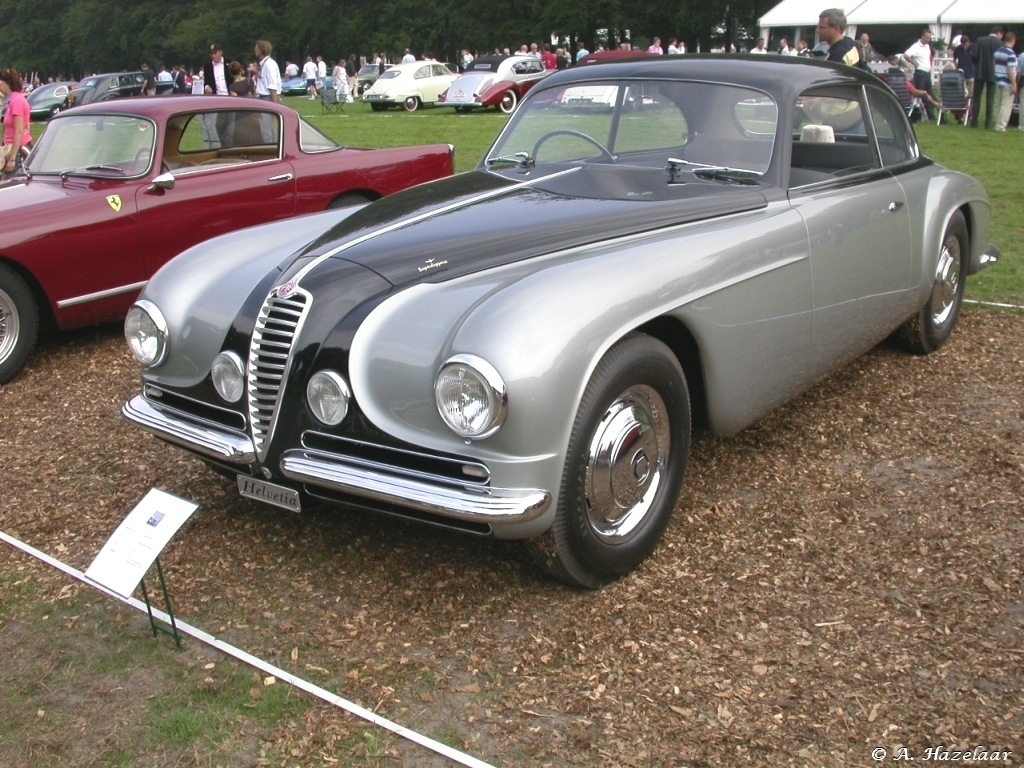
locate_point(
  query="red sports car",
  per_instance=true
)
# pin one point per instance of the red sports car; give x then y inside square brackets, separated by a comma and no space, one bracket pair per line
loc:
[116,189]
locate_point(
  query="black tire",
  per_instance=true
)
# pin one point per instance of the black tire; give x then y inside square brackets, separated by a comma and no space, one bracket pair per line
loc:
[347,199]
[19,323]
[411,103]
[932,326]
[613,508]
[508,102]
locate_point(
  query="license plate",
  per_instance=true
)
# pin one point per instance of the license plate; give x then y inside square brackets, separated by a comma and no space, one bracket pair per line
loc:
[269,493]
[373,96]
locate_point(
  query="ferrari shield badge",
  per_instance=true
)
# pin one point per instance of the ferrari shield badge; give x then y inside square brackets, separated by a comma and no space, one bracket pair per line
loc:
[115,202]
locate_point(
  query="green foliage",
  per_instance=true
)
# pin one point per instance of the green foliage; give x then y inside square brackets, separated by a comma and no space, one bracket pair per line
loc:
[78,37]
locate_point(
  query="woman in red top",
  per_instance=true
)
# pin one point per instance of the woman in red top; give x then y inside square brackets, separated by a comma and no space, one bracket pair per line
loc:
[17,133]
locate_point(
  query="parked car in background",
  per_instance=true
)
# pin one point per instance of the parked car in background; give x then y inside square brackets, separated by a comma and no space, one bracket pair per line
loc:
[494,81]
[118,188]
[114,85]
[409,85]
[294,86]
[50,98]
[521,351]
[367,76]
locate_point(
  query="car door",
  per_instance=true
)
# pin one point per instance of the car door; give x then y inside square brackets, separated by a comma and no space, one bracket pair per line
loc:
[432,80]
[858,225]
[224,170]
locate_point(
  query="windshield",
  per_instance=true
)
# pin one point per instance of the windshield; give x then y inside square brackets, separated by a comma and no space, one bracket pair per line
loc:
[100,145]
[644,123]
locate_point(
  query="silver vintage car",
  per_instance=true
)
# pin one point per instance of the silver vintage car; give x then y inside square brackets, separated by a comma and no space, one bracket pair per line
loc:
[520,351]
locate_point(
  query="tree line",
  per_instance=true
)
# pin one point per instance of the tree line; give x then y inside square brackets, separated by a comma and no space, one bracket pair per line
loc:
[77,37]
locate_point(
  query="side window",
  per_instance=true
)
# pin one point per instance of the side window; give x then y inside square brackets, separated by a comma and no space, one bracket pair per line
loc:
[830,136]
[208,132]
[422,73]
[895,139]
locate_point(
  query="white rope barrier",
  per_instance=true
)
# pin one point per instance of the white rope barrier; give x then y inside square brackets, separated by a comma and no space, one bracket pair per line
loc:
[435,746]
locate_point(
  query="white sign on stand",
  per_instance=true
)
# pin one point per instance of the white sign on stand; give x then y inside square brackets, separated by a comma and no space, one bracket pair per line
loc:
[138,541]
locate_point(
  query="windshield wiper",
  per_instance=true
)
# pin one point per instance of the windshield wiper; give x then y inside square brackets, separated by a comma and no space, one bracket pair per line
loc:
[706,171]
[522,159]
[88,168]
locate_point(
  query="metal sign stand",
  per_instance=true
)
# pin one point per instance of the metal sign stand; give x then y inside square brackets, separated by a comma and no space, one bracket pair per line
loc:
[168,609]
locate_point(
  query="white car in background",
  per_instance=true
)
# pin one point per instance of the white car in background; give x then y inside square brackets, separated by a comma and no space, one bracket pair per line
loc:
[409,85]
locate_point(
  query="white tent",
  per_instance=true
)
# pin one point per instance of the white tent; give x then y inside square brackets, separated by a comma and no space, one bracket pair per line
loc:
[941,16]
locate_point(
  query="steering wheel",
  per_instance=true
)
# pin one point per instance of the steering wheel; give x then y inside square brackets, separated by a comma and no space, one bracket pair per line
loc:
[605,152]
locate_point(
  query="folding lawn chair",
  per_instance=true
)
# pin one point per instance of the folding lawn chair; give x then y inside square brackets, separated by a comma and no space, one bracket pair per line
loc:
[897,81]
[329,101]
[953,92]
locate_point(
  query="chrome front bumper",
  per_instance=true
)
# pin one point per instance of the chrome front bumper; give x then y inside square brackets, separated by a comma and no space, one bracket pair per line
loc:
[177,428]
[422,493]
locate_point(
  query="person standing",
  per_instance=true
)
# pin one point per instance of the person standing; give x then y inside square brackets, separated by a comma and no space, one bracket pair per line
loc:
[17,117]
[309,73]
[1006,81]
[655,47]
[985,74]
[832,30]
[963,59]
[759,47]
[920,55]
[268,83]
[216,77]
[407,57]
[149,89]
[581,51]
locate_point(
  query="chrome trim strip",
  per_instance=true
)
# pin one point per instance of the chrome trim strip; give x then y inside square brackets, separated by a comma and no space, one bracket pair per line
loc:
[101,295]
[213,441]
[472,504]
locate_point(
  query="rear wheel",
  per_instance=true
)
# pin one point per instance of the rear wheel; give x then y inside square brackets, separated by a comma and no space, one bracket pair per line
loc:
[508,102]
[624,468]
[19,323]
[932,326]
[411,103]
[347,199]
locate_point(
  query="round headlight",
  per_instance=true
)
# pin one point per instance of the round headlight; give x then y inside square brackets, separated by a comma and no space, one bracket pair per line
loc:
[328,396]
[146,332]
[228,376]
[470,396]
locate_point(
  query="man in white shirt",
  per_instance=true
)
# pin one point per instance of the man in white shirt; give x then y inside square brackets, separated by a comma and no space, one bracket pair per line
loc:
[268,83]
[920,55]
[408,57]
[321,72]
[309,72]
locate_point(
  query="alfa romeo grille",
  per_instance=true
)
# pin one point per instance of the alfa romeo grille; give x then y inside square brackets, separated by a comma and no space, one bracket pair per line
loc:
[269,354]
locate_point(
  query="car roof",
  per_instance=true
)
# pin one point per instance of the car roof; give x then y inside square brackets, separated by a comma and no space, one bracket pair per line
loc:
[156,107]
[784,77]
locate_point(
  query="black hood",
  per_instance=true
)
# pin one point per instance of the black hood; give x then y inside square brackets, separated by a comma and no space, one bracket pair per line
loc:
[480,219]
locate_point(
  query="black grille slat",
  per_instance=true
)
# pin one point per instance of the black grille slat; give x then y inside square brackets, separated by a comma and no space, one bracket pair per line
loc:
[269,355]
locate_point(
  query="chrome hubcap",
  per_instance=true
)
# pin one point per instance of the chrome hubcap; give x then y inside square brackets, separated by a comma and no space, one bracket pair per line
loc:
[626,462]
[9,326]
[947,282]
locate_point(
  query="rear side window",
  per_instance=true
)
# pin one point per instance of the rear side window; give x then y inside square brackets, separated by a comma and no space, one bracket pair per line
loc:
[895,139]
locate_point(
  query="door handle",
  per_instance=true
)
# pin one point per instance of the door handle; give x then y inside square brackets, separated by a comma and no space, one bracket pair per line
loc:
[282,177]
[895,206]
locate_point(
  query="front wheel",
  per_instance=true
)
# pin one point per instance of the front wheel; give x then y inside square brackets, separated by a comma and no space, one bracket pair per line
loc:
[508,102]
[624,468]
[19,323]
[932,326]
[411,103]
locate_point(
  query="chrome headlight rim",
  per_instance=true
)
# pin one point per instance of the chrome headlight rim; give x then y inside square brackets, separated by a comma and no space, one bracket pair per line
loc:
[493,385]
[344,394]
[236,369]
[152,313]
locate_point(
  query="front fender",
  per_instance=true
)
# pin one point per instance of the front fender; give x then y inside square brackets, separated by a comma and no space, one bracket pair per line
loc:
[201,291]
